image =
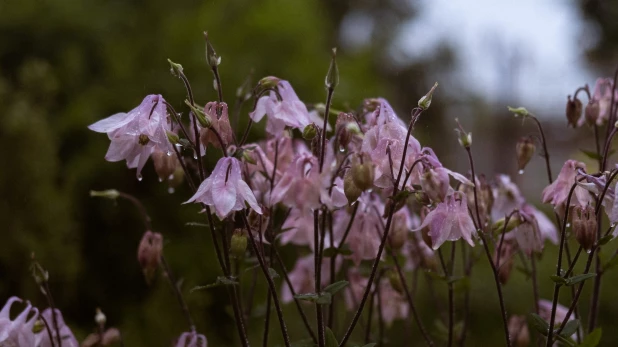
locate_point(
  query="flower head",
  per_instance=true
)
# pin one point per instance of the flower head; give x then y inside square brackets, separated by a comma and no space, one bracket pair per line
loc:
[302,276]
[135,135]
[225,189]
[149,253]
[220,122]
[558,192]
[603,96]
[17,332]
[449,221]
[66,335]
[192,339]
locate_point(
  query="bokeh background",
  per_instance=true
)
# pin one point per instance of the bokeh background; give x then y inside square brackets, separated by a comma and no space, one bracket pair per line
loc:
[66,63]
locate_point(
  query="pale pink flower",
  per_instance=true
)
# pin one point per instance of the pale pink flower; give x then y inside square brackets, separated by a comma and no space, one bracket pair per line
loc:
[289,111]
[558,192]
[302,276]
[603,95]
[507,198]
[220,122]
[355,289]
[381,113]
[192,339]
[392,303]
[66,335]
[225,189]
[135,135]
[450,221]
[545,311]
[298,228]
[17,332]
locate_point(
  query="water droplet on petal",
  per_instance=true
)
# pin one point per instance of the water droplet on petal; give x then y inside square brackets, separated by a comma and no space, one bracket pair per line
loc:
[171,190]
[341,149]
[160,179]
[169,153]
[613,225]
[140,177]
[588,251]
[568,225]
[521,172]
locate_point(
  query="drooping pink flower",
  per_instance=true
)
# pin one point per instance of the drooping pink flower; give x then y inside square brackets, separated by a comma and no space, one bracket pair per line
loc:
[507,198]
[558,192]
[225,189]
[298,228]
[603,96]
[450,221]
[354,291]
[135,135]
[545,311]
[192,339]
[302,276]
[66,335]
[289,111]
[392,304]
[220,122]
[17,332]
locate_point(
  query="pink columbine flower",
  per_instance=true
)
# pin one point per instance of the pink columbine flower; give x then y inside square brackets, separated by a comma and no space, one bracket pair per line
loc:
[192,339]
[545,311]
[135,135]
[289,111]
[507,198]
[603,96]
[220,122]
[17,332]
[302,276]
[66,335]
[298,228]
[392,303]
[450,221]
[225,189]
[558,192]
[354,292]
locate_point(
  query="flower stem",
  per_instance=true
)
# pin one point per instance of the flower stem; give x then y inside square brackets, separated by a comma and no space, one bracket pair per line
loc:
[329,97]
[178,294]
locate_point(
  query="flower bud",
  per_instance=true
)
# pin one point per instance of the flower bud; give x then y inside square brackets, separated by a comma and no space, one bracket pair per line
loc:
[99,317]
[425,101]
[149,253]
[519,111]
[175,69]
[332,76]
[362,175]
[398,235]
[506,254]
[518,330]
[238,244]
[172,137]
[40,275]
[346,128]
[165,165]
[525,150]
[592,112]
[310,131]
[573,111]
[395,281]
[421,198]
[585,226]
[351,191]
[435,183]
[211,56]
[110,194]
[203,118]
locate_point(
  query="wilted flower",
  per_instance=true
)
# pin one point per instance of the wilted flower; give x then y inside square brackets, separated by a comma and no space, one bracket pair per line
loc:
[135,135]
[66,335]
[603,96]
[165,165]
[149,253]
[573,112]
[449,221]
[17,332]
[225,189]
[585,226]
[192,339]
[525,150]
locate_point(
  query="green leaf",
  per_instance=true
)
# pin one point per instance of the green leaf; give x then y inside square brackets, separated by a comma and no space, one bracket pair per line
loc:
[333,251]
[196,224]
[454,279]
[594,155]
[462,286]
[539,324]
[303,343]
[605,239]
[593,339]
[558,279]
[610,263]
[335,287]
[579,278]
[323,298]
[524,271]
[570,328]
[436,275]
[272,273]
[331,340]
[221,281]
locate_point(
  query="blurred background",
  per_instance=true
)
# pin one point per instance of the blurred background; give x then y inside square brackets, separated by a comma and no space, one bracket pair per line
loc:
[65,64]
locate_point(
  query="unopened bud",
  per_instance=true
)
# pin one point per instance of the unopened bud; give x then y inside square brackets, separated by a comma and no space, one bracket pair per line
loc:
[310,131]
[464,139]
[518,330]
[266,83]
[422,198]
[592,112]
[363,175]
[175,69]
[149,253]
[203,118]
[109,194]
[165,165]
[425,101]
[499,226]
[574,111]
[399,231]
[395,281]
[211,56]
[505,256]
[172,137]
[525,150]
[435,183]
[332,76]
[519,111]
[238,244]
[585,226]
[40,275]
[38,326]
[99,317]
[351,191]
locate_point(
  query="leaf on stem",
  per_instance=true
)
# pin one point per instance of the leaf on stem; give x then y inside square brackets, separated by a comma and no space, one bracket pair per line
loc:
[331,340]
[570,328]
[221,281]
[335,287]
[539,324]
[593,339]
[579,278]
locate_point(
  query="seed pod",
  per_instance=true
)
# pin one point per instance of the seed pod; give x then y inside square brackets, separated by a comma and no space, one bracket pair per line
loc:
[395,281]
[351,191]
[149,253]
[310,131]
[573,111]
[362,175]
[585,226]
[592,112]
[525,150]
[238,244]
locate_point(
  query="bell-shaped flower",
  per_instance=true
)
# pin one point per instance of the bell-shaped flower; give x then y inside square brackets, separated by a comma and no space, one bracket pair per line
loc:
[288,111]
[602,95]
[557,193]
[108,338]
[135,135]
[354,291]
[220,122]
[391,302]
[379,112]
[225,189]
[66,335]
[298,229]
[449,221]
[17,332]
[545,311]
[507,198]
[302,276]
[192,339]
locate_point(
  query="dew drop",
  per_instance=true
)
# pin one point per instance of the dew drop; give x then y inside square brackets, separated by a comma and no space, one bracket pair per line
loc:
[521,172]
[160,179]
[169,154]
[341,149]
[588,251]
[171,190]
[568,225]
[613,225]
[140,177]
